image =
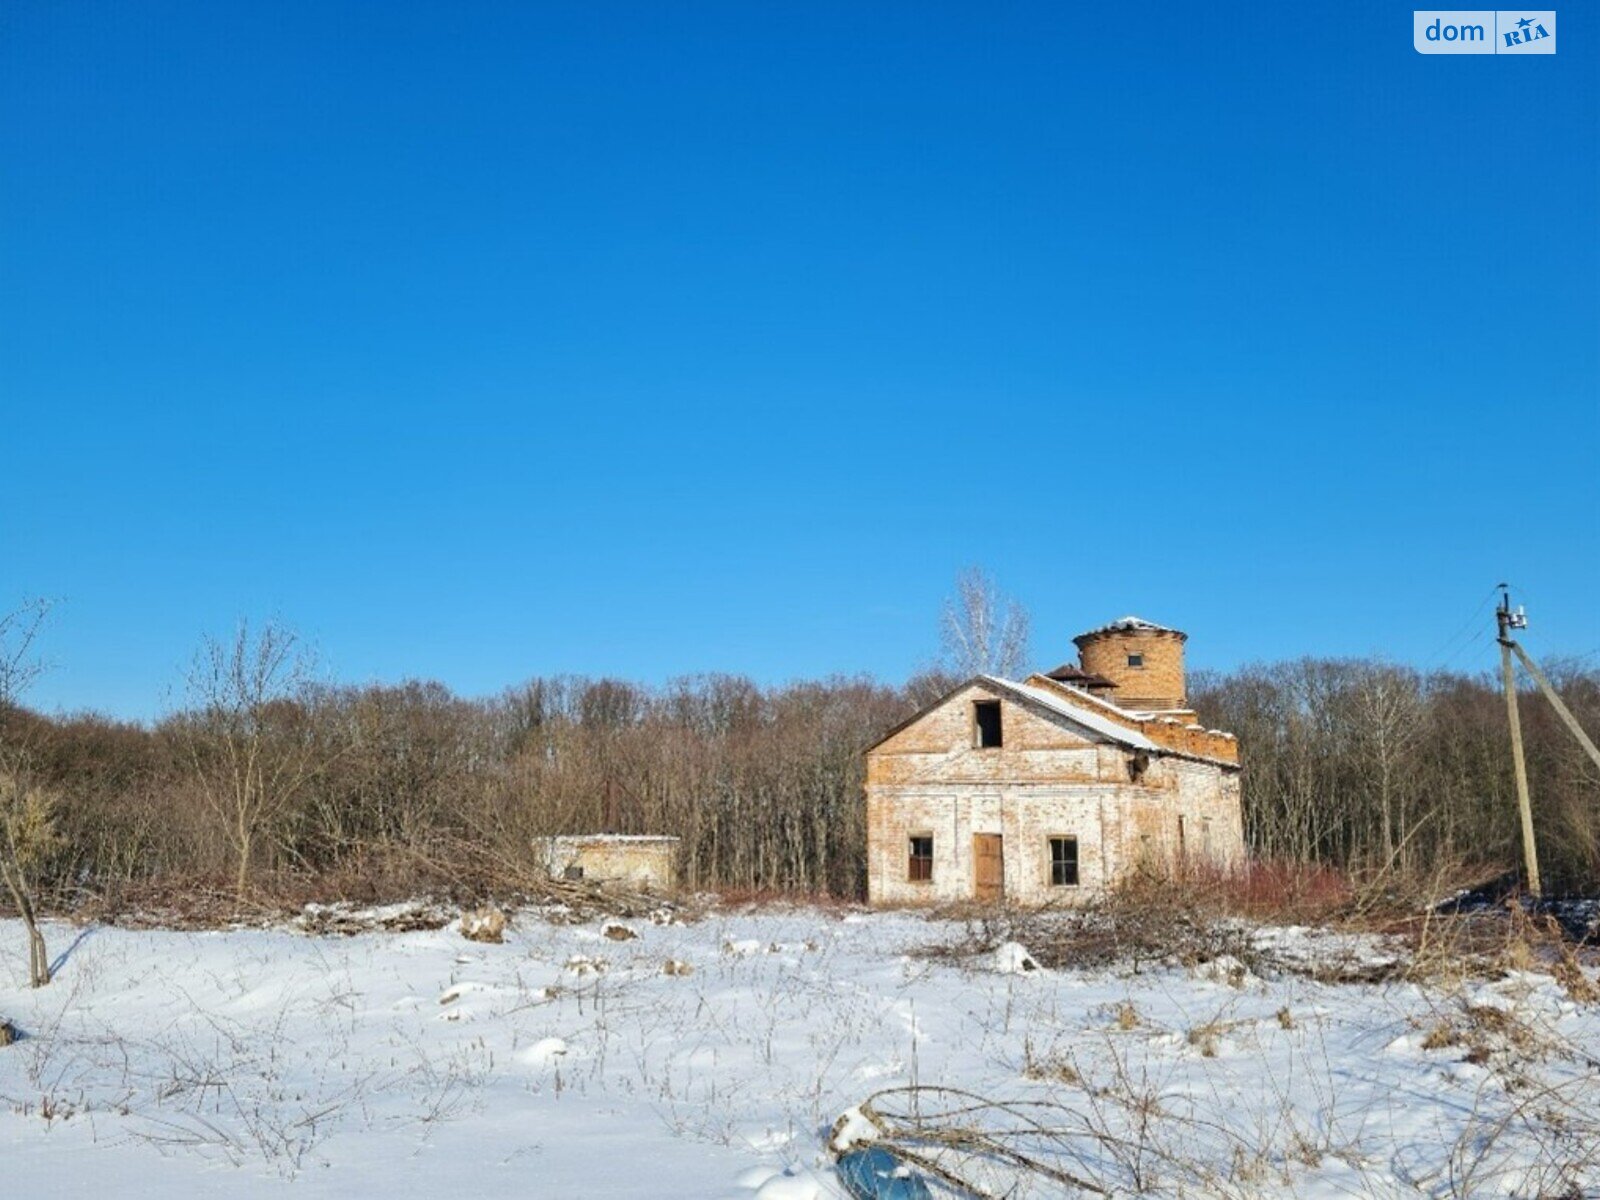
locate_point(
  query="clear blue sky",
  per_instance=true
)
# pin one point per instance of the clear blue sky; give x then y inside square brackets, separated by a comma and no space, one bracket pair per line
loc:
[480,341]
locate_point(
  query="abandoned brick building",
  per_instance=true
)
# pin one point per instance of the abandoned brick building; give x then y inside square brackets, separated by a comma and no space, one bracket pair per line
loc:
[1054,788]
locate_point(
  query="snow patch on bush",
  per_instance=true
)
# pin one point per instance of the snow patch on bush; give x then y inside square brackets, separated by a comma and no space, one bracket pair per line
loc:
[1013,958]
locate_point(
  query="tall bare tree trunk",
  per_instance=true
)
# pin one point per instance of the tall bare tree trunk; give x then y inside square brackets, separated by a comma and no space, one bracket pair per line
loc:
[38,956]
[241,883]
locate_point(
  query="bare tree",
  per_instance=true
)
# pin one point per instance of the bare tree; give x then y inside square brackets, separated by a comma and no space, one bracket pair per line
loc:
[28,832]
[247,741]
[19,666]
[983,632]
[1387,721]
[28,837]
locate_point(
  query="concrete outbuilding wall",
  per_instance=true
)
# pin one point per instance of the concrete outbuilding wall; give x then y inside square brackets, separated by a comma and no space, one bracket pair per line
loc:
[645,862]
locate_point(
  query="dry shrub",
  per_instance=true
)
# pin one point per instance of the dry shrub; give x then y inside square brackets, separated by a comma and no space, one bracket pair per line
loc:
[1441,1035]
[1052,1068]
[8,1033]
[349,920]
[1488,944]
[1283,893]
[1493,1036]
[1147,922]
[1574,980]
[432,883]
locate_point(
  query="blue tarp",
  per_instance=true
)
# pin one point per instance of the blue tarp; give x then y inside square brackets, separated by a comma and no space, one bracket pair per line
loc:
[875,1174]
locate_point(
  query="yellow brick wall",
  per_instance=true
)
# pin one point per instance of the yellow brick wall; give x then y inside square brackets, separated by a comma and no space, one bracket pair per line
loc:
[1206,797]
[938,747]
[1025,818]
[1158,683]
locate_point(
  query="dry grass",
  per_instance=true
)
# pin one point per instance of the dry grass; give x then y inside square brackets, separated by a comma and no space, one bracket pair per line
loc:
[1209,922]
[332,902]
[1440,1036]
[1450,949]
[1204,1038]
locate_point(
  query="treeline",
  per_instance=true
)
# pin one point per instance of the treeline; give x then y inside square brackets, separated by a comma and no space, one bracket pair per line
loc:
[1379,769]
[385,790]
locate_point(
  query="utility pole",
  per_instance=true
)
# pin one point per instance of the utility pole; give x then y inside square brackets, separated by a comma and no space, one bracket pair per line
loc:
[1562,711]
[1506,620]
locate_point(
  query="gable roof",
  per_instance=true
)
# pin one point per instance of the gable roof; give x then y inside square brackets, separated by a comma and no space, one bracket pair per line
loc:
[1077,696]
[1052,705]
[1060,706]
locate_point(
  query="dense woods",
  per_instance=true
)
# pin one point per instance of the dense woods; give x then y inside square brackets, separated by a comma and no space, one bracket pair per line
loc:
[1380,769]
[264,778]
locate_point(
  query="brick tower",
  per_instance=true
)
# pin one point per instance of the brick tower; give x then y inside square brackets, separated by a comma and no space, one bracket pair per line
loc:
[1143,660]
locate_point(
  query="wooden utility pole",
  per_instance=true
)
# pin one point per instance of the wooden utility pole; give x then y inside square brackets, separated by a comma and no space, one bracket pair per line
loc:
[1562,711]
[1506,620]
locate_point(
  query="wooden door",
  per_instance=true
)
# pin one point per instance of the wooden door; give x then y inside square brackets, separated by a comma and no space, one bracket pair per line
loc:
[988,867]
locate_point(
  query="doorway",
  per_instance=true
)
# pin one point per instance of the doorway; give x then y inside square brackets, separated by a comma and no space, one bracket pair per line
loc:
[988,866]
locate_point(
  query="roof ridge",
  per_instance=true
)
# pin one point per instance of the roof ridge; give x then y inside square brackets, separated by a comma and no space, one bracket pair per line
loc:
[1075,694]
[1063,706]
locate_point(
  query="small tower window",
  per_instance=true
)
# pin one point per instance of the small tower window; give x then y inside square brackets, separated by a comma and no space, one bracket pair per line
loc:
[986,724]
[1063,862]
[920,867]
[1136,660]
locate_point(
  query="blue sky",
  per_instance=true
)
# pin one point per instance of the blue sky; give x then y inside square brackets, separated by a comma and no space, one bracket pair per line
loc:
[484,341]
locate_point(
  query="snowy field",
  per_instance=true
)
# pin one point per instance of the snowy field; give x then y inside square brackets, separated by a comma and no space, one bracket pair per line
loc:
[266,1063]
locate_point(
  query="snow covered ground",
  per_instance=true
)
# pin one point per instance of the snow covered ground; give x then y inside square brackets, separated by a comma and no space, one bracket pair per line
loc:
[564,1063]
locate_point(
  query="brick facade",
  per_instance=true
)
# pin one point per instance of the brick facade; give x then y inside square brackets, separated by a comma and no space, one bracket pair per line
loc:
[1128,789]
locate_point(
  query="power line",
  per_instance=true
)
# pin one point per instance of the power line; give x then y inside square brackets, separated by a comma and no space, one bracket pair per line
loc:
[1467,627]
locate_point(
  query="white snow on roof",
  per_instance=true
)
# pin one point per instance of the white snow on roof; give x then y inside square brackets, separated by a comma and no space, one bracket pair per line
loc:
[1079,696]
[1093,721]
[1131,622]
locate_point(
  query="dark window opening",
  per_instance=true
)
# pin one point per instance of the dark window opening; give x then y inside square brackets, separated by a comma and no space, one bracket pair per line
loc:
[1136,660]
[573,872]
[921,865]
[986,722]
[1063,862]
